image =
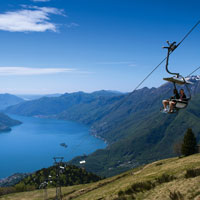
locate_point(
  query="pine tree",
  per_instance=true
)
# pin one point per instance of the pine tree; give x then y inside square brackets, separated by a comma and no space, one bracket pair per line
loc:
[189,143]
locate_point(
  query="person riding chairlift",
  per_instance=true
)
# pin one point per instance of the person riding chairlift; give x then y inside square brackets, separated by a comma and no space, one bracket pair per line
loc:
[182,95]
[170,102]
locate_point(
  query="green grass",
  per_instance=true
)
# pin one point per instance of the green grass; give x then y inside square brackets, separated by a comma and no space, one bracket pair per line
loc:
[116,187]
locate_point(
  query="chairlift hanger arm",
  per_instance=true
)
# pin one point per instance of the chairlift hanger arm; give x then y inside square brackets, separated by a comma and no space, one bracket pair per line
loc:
[170,49]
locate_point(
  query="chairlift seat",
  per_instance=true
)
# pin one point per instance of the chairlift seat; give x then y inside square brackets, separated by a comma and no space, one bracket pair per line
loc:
[177,80]
[181,104]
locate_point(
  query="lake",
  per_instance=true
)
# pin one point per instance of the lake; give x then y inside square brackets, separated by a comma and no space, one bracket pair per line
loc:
[33,144]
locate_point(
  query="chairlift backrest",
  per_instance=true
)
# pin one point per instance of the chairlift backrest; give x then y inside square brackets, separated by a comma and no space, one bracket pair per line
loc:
[181,104]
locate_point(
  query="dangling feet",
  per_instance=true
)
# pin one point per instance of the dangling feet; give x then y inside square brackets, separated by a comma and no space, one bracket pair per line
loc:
[164,110]
[171,111]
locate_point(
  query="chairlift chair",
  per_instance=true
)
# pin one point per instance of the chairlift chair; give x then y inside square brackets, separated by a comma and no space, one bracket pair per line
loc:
[177,79]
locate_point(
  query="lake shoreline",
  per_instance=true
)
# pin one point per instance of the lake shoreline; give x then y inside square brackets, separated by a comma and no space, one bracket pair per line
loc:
[92,131]
[38,140]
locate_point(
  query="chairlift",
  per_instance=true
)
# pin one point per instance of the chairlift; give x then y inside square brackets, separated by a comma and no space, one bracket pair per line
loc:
[176,79]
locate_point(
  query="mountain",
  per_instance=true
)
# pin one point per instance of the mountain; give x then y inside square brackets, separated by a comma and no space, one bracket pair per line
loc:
[9,100]
[136,131]
[136,107]
[174,178]
[29,97]
[12,180]
[6,123]
[79,106]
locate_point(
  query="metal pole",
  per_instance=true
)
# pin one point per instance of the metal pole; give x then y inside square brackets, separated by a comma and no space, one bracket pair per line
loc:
[58,163]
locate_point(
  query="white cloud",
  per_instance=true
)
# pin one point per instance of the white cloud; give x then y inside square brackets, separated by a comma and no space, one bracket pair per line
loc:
[7,71]
[29,19]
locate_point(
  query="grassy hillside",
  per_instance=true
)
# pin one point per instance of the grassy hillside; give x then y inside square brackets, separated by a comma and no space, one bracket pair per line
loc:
[164,179]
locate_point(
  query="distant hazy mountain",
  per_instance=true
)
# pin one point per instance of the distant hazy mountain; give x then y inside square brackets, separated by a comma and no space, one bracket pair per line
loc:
[9,100]
[107,93]
[29,97]
[12,180]
[78,106]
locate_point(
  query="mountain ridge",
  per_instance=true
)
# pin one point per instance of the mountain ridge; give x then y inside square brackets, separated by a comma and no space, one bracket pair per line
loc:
[6,123]
[136,132]
[9,100]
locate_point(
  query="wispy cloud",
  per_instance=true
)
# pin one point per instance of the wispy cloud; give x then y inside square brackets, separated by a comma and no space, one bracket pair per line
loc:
[132,65]
[40,0]
[71,25]
[7,71]
[29,19]
[114,63]
[127,63]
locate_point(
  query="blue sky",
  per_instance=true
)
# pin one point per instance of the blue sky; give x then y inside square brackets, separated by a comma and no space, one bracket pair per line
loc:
[58,46]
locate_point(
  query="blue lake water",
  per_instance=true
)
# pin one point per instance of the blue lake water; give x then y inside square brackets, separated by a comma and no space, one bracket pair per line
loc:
[33,144]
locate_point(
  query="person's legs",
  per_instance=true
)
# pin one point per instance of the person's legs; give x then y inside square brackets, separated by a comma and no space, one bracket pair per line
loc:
[171,106]
[165,103]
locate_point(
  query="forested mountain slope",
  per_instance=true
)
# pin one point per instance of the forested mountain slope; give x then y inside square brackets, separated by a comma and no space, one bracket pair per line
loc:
[148,140]
[139,133]
[132,124]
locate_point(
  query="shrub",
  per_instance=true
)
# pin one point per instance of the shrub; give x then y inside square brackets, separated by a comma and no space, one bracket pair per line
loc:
[20,187]
[138,187]
[128,191]
[165,178]
[142,186]
[191,173]
[121,198]
[120,193]
[158,164]
[176,195]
